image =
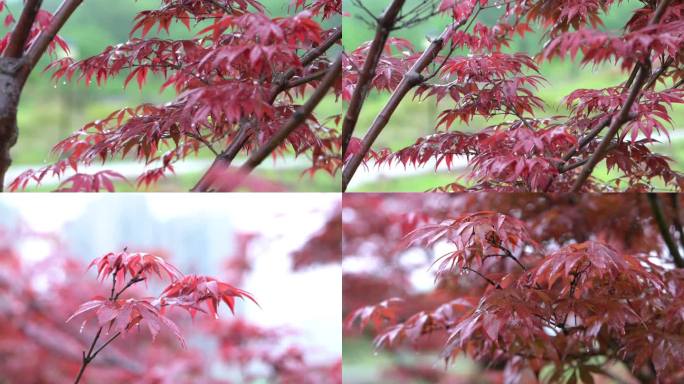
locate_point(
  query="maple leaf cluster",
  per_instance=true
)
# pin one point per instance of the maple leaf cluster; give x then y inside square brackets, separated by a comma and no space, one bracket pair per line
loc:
[470,72]
[120,316]
[543,288]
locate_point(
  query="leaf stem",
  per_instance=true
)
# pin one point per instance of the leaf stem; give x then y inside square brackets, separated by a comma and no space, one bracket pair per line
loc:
[92,352]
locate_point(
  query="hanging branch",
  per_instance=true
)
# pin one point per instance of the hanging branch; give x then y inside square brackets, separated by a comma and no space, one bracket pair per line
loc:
[384,25]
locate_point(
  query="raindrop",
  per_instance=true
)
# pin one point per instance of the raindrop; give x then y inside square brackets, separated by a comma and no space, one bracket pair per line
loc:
[54,86]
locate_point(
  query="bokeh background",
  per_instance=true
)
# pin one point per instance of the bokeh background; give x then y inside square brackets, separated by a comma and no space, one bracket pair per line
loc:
[201,235]
[49,111]
[414,119]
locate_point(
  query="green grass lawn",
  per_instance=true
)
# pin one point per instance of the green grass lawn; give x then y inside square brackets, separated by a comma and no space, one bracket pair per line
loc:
[361,364]
[364,365]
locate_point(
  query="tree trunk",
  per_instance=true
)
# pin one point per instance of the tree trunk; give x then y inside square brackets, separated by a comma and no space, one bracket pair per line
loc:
[10,90]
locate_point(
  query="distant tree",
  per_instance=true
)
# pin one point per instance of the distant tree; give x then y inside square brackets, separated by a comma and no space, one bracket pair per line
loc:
[236,83]
[536,288]
[469,73]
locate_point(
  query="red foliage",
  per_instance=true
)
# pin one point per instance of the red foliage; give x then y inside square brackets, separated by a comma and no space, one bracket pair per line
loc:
[237,78]
[136,265]
[324,246]
[522,152]
[126,315]
[534,287]
[49,317]
[190,291]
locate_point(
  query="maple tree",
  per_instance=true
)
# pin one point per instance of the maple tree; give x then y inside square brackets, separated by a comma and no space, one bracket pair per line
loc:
[237,82]
[52,328]
[534,287]
[470,72]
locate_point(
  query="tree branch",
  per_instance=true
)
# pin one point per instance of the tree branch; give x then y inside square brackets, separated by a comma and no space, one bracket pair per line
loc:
[64,12]
[640,74]
[307,59]
[412,78]
[664,228]
[384,25]
[587,139]
[225,158]
[677,221]
[563,166]
[21,31]
[302,113]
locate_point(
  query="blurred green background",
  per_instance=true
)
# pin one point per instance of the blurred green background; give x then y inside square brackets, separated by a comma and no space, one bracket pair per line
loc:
[414,119]
[50,111]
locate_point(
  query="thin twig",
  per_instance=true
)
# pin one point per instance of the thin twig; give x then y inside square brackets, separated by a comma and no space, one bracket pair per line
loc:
[307,78]
[664,229]
[509,254]
[306,59]
[92,352]
[487,279]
